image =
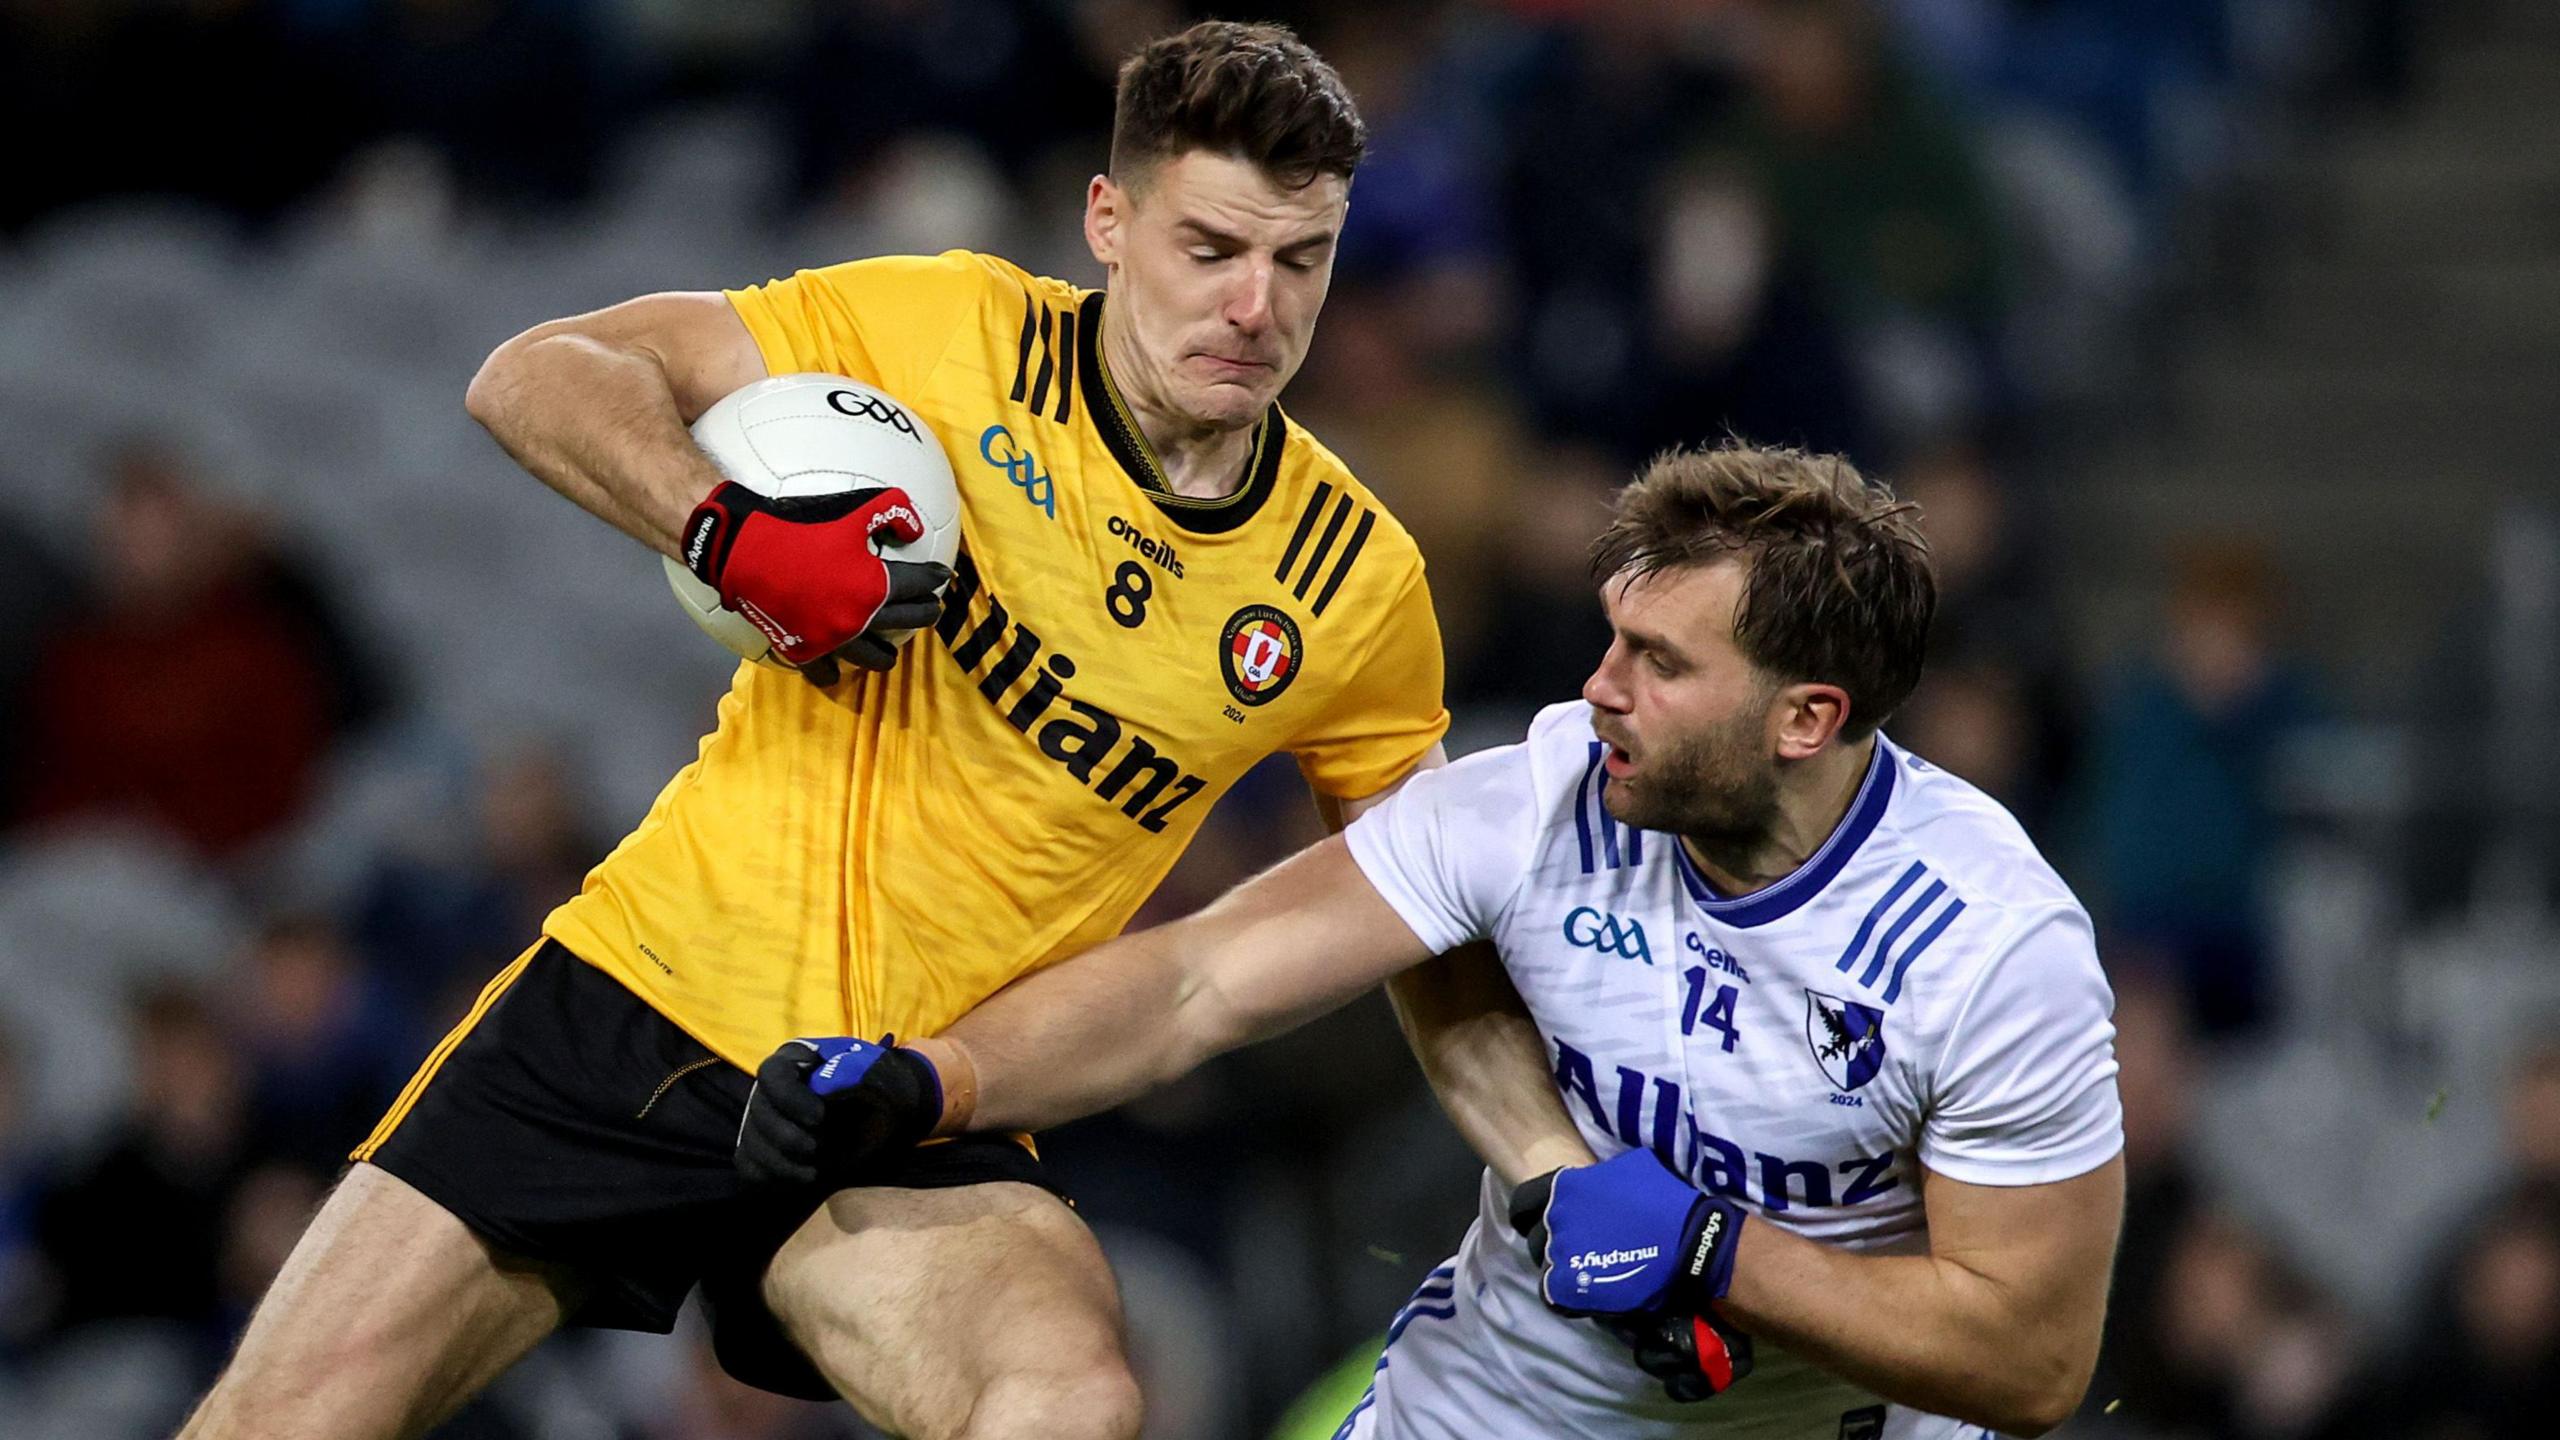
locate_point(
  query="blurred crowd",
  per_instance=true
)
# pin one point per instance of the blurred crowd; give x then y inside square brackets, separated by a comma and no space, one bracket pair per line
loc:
[1928,233]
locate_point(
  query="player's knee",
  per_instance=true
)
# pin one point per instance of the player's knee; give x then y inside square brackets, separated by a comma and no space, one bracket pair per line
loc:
[1099,1402]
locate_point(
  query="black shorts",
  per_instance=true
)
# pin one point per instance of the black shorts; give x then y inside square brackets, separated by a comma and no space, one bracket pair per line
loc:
[568,1122]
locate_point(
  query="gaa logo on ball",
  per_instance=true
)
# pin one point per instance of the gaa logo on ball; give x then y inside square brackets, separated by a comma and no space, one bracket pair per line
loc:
[1258,653]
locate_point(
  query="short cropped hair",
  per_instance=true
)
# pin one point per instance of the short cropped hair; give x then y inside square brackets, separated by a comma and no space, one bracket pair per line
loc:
[1840,589]
[1253,92]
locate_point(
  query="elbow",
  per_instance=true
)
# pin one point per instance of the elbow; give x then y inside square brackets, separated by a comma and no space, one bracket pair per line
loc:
[502,377]
[2040,1400]
[483,400]
[2032,1420]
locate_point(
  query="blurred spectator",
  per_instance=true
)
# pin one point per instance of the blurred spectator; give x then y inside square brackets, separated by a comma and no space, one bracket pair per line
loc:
[135,1231]
[324,1060]
[2533,1119]
[1542,631]
[2489,1357]
[510,92]
[2157,1071]
[435,922]
[1425,201]
[23,1281]
[1589,120]
[1875,187]
[199,690]
[1995,707]
[2486,1362]
[1443,449]
[269,1210]
[2177,779]
[1742,341]
[2252,1352]
[868,74]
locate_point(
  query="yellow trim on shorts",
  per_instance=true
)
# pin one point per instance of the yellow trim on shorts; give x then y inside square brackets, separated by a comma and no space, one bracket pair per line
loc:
[418,1083]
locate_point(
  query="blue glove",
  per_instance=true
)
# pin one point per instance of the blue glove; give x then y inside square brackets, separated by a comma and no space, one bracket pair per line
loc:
[1627,1237]
[821,1108]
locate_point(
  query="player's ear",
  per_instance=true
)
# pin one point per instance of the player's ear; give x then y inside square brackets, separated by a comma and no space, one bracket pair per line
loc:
[1810,717]
[1106,209]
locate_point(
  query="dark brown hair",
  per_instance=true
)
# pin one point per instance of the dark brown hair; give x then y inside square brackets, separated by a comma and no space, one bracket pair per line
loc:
[1255,92]
[1840,589]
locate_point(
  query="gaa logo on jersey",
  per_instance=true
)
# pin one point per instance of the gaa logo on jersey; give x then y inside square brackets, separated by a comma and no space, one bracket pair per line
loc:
[1847,1038]
[1258,653]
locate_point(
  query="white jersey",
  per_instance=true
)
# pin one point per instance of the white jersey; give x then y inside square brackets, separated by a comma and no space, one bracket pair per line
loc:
[1923,991]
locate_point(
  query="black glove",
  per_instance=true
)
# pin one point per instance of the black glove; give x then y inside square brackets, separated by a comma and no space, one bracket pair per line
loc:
[820,1109]
[1696,1357]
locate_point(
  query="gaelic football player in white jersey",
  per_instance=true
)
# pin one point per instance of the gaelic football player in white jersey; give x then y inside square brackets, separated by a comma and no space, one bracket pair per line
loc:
[1834,1033]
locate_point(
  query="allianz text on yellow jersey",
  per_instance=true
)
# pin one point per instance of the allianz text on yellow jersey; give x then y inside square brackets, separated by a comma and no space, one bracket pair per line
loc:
[882,855]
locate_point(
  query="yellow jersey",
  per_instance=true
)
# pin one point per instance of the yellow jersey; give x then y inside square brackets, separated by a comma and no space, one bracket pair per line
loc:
[886,853]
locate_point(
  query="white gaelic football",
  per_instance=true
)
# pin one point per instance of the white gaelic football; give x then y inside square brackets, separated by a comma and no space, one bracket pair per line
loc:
[803,435]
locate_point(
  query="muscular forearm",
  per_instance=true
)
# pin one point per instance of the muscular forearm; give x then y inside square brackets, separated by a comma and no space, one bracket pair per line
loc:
[1486,1063]
[1087,1035]
[1916,1329]
[1110,1024]
[599,423]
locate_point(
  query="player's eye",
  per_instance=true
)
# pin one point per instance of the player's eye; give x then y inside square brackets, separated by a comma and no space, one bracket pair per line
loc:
[1661,663]
[1207,256]
[1301,262]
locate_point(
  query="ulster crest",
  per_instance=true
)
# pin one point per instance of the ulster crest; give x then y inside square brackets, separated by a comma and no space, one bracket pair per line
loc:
[1258,653]
[1847,1039]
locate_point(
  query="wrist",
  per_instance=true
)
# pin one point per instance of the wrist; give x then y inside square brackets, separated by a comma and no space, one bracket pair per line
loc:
[703,542]
[1706,1269]
[956,1075]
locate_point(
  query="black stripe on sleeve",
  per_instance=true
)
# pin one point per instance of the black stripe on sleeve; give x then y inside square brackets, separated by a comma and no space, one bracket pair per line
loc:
[1350,553]
[1022,359]
[1324,543]
[1306,522]
[1066,366]
[1048,362]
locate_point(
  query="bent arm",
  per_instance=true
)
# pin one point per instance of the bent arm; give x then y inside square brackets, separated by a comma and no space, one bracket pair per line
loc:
[596,405]
[1119,1020]
[1487,1063]
[1997,1325]
[1478,1047]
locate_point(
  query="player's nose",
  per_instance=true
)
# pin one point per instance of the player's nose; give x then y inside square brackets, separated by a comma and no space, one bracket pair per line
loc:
[1603,690]
[1249,304]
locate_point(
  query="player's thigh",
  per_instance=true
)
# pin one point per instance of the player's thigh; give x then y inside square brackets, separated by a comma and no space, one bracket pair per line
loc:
[984,1311]
[386,1317]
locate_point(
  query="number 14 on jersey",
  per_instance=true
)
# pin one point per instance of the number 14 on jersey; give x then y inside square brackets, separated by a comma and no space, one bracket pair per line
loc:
[1696,1008]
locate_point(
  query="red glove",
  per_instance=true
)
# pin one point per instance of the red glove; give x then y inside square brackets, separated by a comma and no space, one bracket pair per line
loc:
[802,570]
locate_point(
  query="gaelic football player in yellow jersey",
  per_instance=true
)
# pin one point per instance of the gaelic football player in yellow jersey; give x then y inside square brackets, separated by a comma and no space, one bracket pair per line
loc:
[1162,581]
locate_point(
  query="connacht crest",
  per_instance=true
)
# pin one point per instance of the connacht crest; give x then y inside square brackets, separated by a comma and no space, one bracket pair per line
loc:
[1847,1038]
